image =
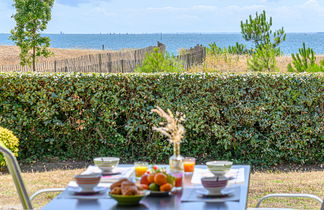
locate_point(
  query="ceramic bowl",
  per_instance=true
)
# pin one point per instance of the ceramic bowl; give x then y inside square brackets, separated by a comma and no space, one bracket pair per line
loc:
[214,184]
[129,200]
[106,164]
[87,181]
[219,168]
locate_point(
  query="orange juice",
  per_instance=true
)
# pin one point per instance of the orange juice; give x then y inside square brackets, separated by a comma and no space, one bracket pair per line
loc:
[140,170]
[189,166]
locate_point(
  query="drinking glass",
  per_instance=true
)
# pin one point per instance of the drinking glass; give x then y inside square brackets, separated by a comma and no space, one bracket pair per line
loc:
[189,164]
[140,168]
[178,180]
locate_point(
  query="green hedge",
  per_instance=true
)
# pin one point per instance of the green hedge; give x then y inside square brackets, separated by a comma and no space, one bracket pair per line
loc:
[264,119]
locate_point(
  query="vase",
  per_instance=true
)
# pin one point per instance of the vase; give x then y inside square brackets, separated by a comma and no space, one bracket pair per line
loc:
[176,160]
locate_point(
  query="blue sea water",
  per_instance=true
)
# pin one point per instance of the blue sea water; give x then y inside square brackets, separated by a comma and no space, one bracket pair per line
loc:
[174,42]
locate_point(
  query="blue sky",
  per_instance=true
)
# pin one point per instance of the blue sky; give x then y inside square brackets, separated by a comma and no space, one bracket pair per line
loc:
[170,16]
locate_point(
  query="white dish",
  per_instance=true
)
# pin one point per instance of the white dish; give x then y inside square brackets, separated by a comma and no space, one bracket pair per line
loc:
[222,192]
[80,191]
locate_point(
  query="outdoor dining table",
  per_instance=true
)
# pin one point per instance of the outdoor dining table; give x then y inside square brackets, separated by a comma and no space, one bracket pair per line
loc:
[170,202]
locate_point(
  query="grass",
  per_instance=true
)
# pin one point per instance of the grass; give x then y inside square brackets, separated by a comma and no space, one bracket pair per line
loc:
[236,63]
[261,184]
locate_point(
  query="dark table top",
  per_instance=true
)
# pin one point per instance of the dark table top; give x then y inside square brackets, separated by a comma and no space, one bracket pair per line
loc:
[171,202]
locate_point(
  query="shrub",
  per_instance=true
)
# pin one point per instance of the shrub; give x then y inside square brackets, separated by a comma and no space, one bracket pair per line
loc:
[10,141]
[263,119]
[263,59]
[158,61]
[213,49]
[305,61]
[237,49]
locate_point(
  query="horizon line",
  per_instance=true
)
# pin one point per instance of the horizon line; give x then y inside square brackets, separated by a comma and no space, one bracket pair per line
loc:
[147,33]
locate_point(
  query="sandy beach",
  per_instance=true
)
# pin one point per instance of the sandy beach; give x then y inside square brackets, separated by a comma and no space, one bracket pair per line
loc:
[9,55]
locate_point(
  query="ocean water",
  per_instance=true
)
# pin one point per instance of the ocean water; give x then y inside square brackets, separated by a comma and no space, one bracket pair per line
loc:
[174,42]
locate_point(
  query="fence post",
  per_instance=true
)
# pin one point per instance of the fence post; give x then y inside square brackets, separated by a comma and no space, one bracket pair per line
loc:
[122,65]
[109,66]
[100,62]
[55,66]
[188,61]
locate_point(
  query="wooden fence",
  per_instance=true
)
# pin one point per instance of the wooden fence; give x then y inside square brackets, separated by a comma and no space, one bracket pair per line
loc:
[115,62]
[193,56]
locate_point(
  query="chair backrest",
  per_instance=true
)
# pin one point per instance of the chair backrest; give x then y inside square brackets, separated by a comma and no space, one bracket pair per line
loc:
[14,170]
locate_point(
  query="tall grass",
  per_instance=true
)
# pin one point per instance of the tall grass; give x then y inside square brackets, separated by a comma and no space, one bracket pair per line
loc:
[236,63]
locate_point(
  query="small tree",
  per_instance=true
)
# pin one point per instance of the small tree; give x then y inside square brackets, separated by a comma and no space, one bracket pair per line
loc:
[259,31]
[32,17]
[305,61]
[158,61]
[264,59]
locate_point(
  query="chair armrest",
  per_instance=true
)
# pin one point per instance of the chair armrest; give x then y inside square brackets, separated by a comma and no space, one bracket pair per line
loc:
[46,191]
[290,196]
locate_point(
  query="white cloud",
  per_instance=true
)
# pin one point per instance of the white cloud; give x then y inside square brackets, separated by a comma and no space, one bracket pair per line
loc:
[311,3]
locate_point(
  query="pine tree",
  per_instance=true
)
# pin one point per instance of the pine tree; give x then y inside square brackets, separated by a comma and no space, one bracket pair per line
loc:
[258,30]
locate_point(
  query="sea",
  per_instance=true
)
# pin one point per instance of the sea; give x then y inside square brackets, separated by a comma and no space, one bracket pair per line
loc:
[174,42]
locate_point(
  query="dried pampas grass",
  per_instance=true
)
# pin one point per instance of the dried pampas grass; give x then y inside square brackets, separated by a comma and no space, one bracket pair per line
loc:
[173,129]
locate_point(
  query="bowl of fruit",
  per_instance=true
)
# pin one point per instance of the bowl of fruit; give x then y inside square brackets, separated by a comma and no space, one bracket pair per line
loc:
[158,182]
[127,193]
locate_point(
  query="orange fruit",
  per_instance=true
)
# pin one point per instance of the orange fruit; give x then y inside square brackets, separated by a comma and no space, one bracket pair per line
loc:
[150,178]
[144,180]
[160,179]
[144,187]
[166,187]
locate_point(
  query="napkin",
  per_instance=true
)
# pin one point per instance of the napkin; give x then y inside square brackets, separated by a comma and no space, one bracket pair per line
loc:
[125,172]
[106,181]
[237,174]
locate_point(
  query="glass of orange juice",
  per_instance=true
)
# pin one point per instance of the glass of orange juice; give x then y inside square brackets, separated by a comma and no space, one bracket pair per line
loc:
[140,168]
[189,164]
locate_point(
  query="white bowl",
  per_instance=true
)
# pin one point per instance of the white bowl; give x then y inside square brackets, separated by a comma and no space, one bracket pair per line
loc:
[106,164]
[219,168]
[87,181]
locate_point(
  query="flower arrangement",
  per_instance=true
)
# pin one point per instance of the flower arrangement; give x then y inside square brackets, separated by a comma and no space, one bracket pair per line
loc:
[174,130]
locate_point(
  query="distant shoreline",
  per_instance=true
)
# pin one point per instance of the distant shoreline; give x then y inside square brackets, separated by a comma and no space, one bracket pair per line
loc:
[173,41]
[157,33]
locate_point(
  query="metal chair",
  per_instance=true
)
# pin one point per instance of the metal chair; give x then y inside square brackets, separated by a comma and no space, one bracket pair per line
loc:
[285,195]
[14,170]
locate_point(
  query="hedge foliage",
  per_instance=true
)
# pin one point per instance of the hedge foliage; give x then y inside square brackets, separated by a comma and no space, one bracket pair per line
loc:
[264,119]
[9,140]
